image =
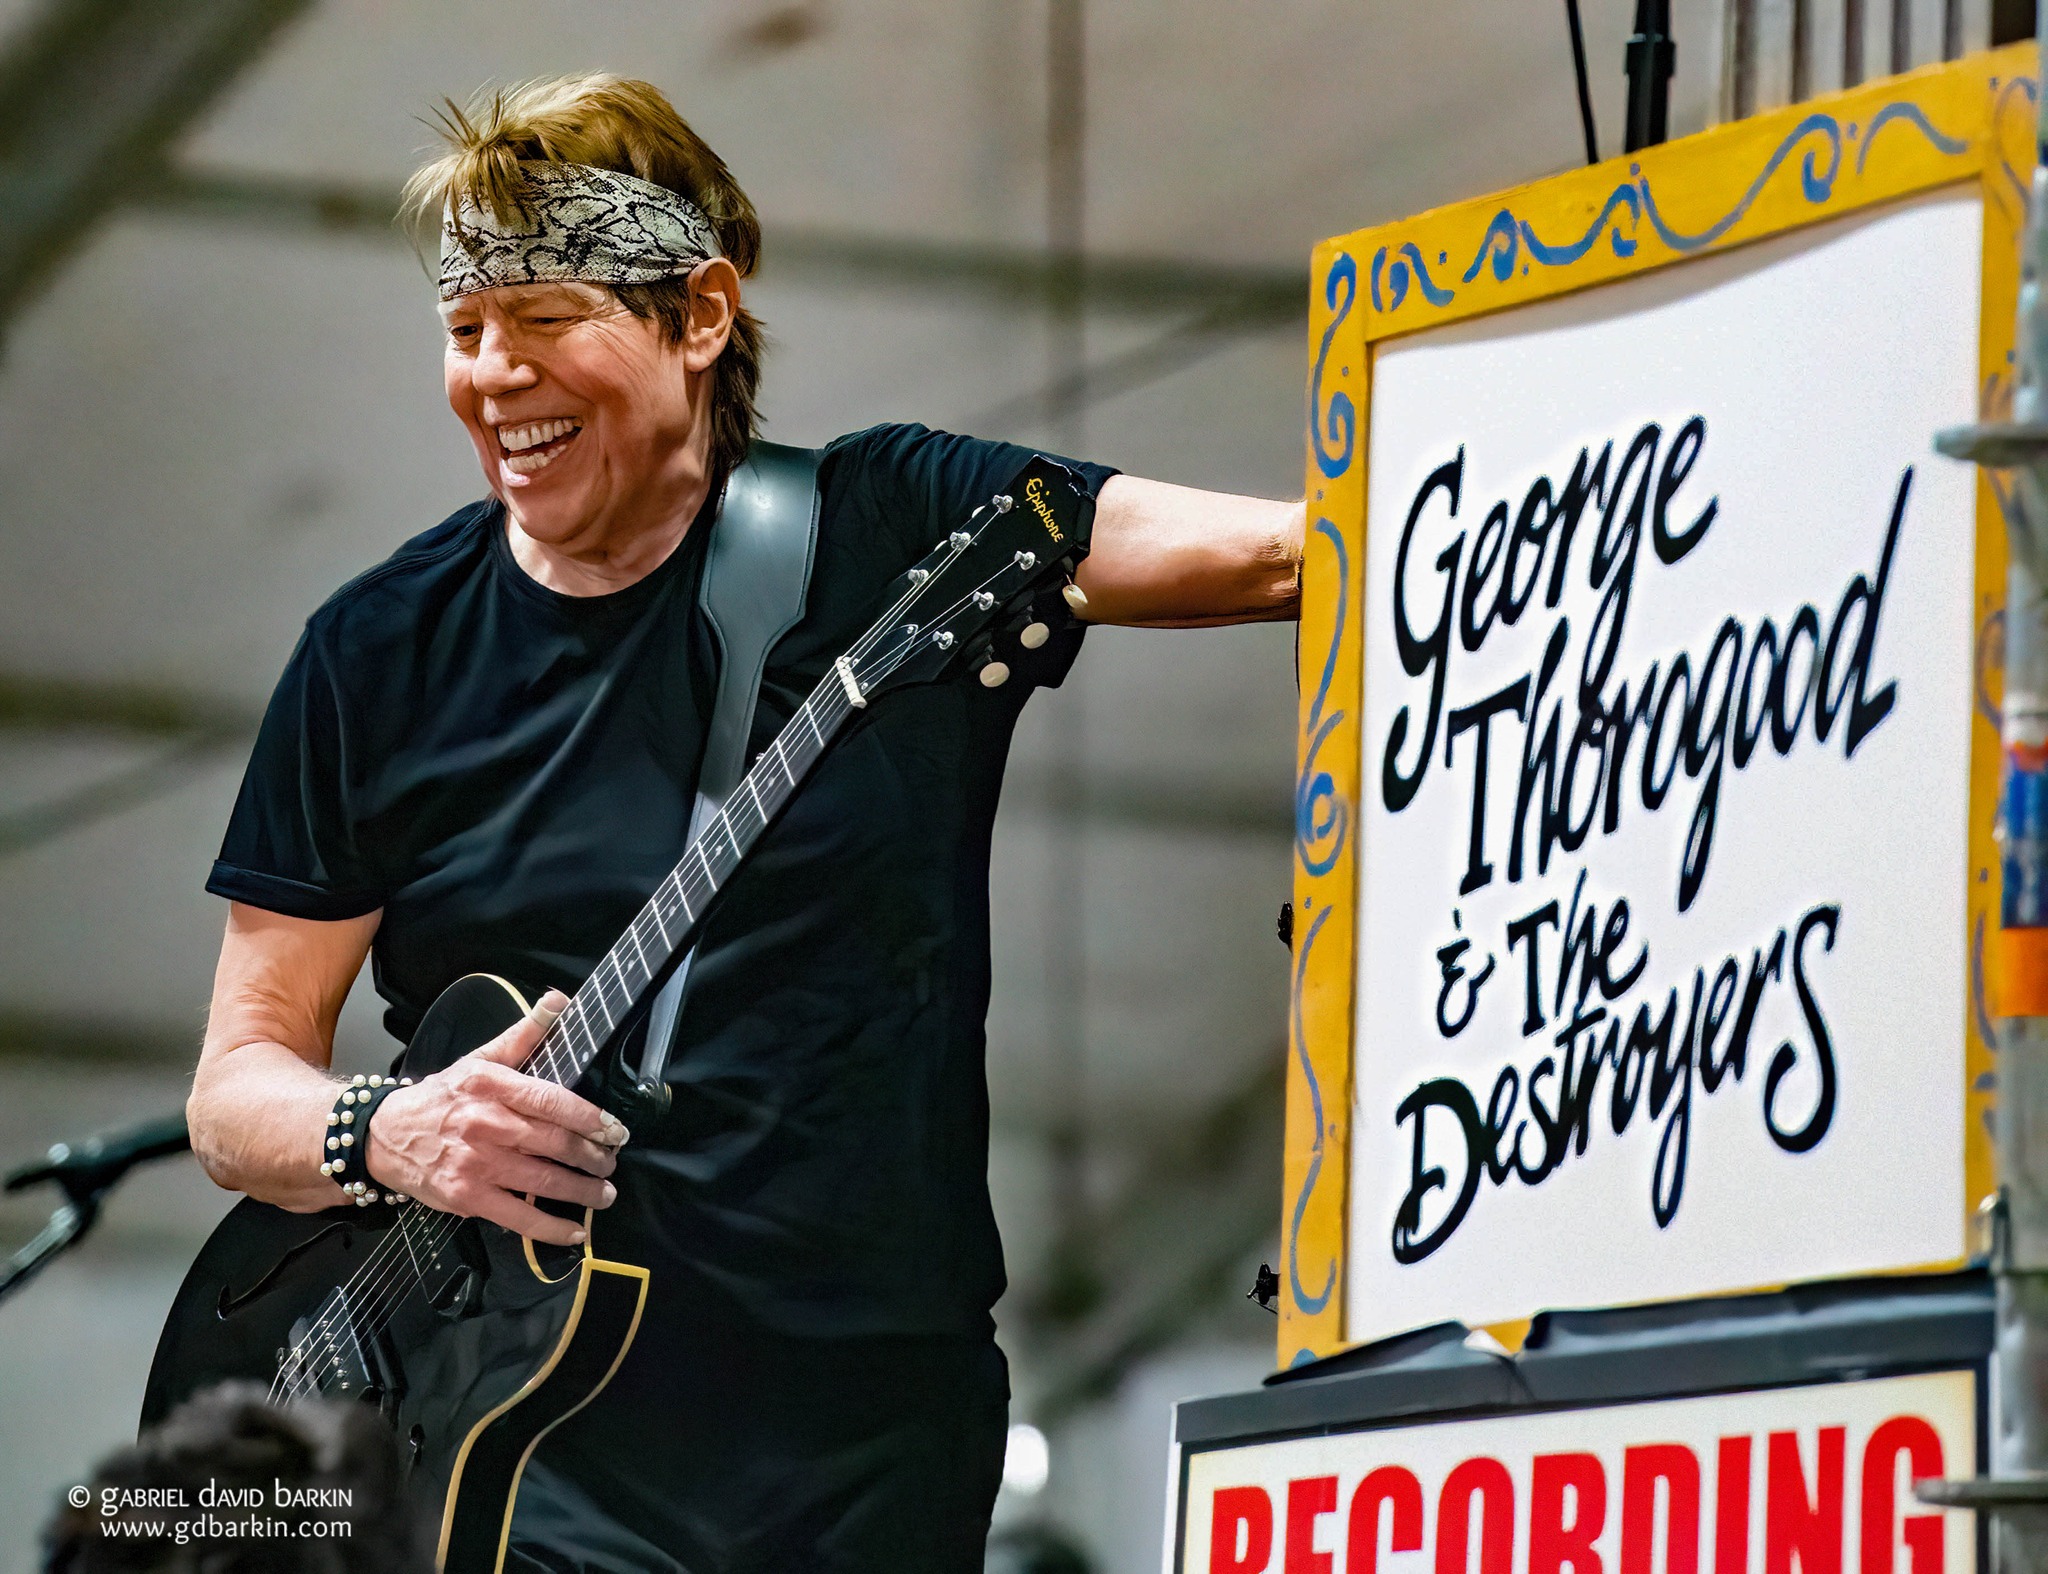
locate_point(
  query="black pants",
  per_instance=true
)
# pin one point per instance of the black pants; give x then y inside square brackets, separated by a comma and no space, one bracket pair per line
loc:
[722,1450]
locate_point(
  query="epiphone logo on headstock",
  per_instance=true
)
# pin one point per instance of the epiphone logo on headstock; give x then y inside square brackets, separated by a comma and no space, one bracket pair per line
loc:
[1034,494]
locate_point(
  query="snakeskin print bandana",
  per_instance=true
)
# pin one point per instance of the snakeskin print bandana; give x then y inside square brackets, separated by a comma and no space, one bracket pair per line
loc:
[592,225]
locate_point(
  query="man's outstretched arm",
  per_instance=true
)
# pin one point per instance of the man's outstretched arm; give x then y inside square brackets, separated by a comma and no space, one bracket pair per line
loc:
[1172,557]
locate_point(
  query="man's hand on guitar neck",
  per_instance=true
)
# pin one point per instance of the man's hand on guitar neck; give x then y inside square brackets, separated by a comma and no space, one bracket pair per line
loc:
[474,1138]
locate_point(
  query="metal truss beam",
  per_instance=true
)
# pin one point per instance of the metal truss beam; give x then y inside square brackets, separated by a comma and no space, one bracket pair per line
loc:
[33,703]
[28,1034]
[171,735]
[91,94]
[1014,274]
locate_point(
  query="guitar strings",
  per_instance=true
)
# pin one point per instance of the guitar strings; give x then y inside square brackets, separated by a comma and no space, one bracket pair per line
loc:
[386,1265]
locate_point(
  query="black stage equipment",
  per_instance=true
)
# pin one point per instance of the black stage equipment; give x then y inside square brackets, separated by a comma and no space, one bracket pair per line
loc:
[1651,57]
[85,1173]
[1571,15]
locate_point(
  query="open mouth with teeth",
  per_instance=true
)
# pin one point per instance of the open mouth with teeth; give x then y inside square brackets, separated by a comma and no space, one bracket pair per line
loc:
[534,446]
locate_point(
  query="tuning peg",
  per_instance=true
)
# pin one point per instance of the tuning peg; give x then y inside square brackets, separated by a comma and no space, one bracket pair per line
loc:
[1033,635]
[1075,596]
[994,675]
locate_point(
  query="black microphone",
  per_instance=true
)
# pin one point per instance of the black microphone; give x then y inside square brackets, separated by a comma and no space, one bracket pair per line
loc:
[85,1172]
[88,1168]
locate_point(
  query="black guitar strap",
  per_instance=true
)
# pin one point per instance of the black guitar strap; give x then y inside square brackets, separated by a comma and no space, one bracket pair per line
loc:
[757,571]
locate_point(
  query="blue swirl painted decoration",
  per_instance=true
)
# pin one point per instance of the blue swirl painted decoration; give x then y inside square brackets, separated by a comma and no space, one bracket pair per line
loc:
[1339,423]
[1917,118]
[1321,819]
[1815,183]
[1309,1302]
[1511,244]
[2014,90]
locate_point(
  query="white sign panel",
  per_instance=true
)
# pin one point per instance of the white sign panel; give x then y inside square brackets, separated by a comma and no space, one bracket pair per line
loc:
[1667,702]
[1807,1478]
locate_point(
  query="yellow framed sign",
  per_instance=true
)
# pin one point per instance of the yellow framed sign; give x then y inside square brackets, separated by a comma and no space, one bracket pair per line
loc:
[1648,745]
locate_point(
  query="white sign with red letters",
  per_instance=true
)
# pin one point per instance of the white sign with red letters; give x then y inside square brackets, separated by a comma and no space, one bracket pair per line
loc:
[1817,1479]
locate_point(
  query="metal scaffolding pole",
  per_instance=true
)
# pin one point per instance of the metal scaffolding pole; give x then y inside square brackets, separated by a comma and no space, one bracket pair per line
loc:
[2015,1494]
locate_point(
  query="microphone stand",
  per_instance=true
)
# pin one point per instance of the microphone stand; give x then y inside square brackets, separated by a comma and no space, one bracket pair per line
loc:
[1651,57]
[85,1174]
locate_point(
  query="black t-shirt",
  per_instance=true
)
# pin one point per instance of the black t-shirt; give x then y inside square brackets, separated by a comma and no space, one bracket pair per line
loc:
[508,773]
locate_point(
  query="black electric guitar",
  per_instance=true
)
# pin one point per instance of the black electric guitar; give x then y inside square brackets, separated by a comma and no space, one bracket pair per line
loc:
[473,1341]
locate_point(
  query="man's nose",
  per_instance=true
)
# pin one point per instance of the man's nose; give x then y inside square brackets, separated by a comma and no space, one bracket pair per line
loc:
[501,367]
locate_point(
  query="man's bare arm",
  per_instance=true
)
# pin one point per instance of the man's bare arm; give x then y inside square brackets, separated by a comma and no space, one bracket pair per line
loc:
[1172,557]
[260,1098]
[467,1140]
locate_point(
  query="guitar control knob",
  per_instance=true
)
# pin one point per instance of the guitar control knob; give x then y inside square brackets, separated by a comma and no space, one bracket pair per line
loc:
[994,675]
[1075,596]
[1034,635]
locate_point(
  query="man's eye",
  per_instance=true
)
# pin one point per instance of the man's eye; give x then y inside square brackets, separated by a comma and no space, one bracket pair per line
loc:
[462,332]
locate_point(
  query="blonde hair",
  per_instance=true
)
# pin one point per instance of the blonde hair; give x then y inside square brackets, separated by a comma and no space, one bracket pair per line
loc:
[615,123]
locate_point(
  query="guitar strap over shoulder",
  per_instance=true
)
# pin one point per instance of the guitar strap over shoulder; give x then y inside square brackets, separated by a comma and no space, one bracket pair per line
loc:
[757,572]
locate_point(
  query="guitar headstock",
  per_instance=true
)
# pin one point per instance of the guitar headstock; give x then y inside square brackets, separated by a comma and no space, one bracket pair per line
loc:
[975,592]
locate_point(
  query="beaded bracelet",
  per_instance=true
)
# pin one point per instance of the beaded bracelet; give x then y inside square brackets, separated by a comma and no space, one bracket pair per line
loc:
[348,1138]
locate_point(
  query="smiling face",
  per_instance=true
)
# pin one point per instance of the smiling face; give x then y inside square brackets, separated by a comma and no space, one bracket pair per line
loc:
[592,426]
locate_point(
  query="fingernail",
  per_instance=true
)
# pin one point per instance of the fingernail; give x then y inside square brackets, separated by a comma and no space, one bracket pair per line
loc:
[550,1006]
[611,1195]
[614,1131]
[578,1237]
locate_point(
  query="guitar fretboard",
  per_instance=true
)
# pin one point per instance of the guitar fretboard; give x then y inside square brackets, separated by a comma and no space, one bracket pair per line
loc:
[671,915]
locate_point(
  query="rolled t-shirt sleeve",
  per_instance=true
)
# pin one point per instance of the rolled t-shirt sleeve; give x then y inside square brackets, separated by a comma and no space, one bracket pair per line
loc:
[291,846]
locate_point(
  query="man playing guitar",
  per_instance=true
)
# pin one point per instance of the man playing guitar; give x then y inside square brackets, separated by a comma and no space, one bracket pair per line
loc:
[482,757]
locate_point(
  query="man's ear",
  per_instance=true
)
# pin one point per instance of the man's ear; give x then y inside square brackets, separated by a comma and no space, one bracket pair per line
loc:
[714,303]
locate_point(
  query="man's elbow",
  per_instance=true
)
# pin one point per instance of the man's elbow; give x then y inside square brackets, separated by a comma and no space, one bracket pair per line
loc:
[1260,581]
[203,1107]
[218,1119]
[1259,585]
[1275,576]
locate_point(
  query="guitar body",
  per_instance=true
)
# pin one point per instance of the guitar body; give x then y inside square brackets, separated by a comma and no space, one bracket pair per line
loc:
[507,1341]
